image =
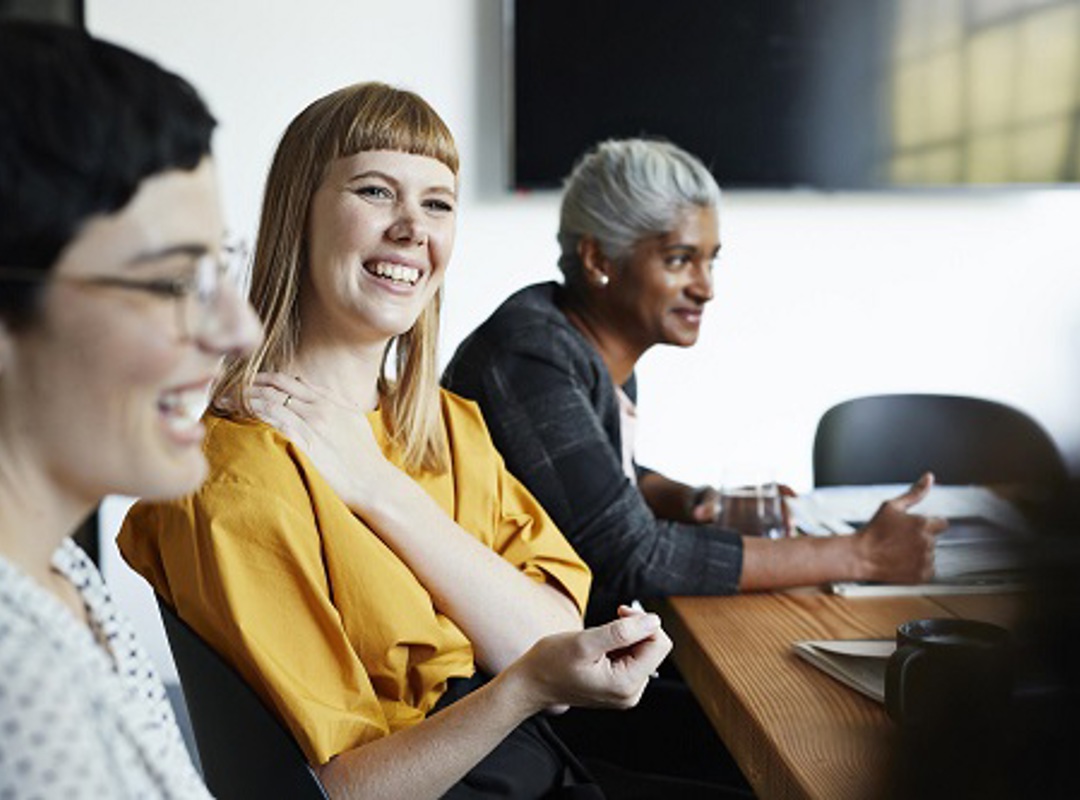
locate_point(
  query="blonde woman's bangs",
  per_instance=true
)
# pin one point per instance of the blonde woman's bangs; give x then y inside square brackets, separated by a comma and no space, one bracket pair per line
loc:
[393,119]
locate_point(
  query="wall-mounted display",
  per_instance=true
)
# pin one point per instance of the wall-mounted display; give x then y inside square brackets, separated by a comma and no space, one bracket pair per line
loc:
[835,94]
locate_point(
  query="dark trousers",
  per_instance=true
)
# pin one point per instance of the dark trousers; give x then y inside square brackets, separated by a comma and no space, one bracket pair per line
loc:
[531,763]
[663,748]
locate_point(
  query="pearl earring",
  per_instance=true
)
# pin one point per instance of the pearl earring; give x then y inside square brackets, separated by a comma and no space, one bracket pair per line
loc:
[603,279]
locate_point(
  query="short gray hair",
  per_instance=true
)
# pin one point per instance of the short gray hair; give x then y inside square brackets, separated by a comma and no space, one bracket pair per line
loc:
[624,190]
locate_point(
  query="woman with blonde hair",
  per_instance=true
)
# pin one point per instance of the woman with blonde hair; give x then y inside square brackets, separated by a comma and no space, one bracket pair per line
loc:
[359,552]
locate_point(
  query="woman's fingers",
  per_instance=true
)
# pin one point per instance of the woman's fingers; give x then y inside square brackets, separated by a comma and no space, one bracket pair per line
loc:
[288,385]
[271,400]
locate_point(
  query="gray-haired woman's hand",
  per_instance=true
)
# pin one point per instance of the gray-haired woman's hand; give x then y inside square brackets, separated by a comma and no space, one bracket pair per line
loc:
[897,545]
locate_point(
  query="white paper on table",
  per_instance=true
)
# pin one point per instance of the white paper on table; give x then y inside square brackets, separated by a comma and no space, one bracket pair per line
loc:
[840,509]
[857,663]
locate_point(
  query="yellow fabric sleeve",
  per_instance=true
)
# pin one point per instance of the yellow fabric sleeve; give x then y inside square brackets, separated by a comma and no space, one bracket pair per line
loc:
[496,507]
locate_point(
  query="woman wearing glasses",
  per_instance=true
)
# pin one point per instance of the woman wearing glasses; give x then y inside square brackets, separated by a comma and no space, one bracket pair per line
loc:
[114,314]
[359,552]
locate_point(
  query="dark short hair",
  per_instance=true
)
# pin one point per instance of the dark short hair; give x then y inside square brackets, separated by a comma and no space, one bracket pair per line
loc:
[82,123]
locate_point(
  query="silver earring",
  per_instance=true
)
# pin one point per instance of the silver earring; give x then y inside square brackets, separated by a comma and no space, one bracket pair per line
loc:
[603,279]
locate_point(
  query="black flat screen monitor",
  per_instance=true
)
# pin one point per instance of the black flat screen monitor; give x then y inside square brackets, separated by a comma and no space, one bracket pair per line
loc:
[836,94]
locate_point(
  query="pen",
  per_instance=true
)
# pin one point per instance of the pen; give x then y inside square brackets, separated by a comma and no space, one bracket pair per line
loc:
[636,605]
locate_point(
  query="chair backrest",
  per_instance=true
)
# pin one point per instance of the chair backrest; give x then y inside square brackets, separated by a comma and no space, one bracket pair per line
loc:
[245,751]
[965,440]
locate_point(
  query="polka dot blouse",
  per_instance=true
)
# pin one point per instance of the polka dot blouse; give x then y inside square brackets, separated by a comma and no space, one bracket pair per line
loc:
[83,714]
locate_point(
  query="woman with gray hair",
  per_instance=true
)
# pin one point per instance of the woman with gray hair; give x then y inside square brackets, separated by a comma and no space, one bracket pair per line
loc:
[553,372]
[625,190]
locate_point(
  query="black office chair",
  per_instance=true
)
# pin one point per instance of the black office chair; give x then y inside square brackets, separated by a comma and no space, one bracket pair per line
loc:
[245,751]
[894,438]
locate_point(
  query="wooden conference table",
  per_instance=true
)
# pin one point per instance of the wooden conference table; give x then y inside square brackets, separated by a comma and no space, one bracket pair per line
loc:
[794,731]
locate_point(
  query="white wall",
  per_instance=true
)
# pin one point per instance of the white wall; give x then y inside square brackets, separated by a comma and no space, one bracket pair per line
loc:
[819,296]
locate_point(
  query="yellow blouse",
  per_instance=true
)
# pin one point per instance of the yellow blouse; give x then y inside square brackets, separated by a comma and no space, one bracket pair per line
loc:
[318,615]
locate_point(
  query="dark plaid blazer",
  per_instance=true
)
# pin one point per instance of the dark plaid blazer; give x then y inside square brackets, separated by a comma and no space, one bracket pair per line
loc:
[553,413]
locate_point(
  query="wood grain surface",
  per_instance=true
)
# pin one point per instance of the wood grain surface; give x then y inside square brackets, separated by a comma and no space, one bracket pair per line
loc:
[794,731]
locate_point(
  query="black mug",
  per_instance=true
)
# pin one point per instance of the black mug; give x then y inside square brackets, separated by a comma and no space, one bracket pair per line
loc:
[949,674]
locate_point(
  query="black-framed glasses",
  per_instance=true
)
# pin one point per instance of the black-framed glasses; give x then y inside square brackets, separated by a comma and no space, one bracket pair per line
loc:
[196,294]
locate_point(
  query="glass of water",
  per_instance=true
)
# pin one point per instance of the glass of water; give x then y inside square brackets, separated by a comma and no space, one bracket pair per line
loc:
[755,509]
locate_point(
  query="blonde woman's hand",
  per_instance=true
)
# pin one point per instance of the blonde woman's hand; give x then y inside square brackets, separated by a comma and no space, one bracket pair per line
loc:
[603,667]
[335,435]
